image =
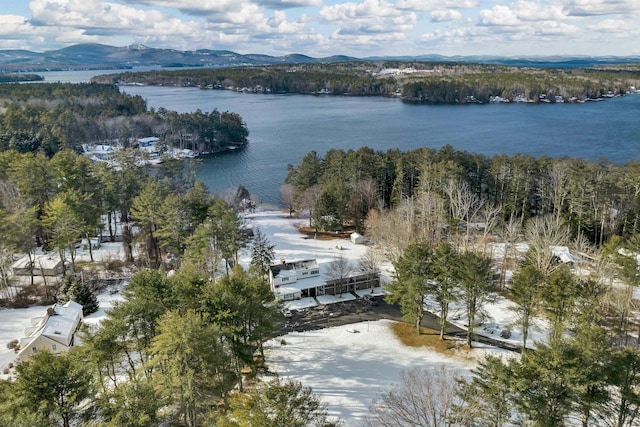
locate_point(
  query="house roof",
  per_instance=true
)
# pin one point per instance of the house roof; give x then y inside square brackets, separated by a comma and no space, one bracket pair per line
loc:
[281,268]
[59,324]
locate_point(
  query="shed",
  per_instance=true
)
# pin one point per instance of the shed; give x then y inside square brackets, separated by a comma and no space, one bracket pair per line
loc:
[357,239]
[563,254]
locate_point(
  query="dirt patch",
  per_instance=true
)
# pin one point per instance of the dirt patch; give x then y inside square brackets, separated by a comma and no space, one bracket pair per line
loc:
[429,338]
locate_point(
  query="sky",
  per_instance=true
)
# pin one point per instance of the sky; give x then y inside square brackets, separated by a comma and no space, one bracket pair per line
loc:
[320,28]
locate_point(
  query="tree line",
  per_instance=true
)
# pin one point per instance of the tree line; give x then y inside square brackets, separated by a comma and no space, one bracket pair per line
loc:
[418,82]
[14,77]
[50,117]
[447,188]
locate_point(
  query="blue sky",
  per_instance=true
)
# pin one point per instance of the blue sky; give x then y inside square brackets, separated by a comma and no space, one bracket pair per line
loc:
[328,27]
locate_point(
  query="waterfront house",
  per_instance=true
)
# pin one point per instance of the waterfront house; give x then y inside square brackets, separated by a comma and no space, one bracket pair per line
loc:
[306,278]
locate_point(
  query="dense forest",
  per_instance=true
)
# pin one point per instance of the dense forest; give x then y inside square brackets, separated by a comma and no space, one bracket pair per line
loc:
[15,78]
[419,82]
[50,117]
[596,199]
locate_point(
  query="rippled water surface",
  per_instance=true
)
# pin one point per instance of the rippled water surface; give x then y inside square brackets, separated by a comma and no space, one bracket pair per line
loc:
[283,128]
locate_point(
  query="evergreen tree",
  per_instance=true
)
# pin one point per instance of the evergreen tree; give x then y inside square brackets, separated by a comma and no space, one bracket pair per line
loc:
[475,286]
[525,291]
[80,292]
[53,385]
[443,286]
[262,253]
[276,403]
[191,364]
[413,270]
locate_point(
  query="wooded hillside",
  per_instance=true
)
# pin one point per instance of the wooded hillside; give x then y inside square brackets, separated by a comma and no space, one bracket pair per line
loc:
[426,82]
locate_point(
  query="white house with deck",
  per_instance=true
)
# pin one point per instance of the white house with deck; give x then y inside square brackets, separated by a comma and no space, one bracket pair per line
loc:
[306,278]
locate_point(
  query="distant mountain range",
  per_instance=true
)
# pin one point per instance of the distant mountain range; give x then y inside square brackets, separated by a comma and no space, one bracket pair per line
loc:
[99,56]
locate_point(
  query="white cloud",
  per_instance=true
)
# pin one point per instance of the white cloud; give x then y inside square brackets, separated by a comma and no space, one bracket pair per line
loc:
[601,7]
[418,5]
[445,15]
[498,15]
[536,11]
[286,4]
[614,26]
[554,28]
[190,7]
[13,24]
[91,14]
[370,16]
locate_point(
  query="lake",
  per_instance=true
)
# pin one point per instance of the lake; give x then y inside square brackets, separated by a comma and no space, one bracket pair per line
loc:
[283,128]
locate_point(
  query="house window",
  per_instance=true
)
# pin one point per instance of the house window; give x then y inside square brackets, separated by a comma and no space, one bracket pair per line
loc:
[305,273]
[53,347]
[285,279]
[314,271]
[33,349]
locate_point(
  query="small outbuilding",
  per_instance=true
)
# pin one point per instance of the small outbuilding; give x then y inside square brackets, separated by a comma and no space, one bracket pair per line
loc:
[42,265]
[357,238]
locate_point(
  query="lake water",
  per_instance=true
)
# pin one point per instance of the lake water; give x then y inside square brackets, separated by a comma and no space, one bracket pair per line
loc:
[283,128]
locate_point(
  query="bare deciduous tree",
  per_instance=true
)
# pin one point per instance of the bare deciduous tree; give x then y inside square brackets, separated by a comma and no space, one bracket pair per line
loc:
[308,200]
[431,217]
[463,204]
[490,215]
[542,233]
[390,230]
[286,197]
[369,264]
[510,234]
[424,398]
[338,271]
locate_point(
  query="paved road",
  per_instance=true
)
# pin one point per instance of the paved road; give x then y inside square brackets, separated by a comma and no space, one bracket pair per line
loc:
[355,311]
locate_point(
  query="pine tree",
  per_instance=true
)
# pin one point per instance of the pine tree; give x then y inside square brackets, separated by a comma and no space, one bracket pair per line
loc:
[80,292]
[262,253]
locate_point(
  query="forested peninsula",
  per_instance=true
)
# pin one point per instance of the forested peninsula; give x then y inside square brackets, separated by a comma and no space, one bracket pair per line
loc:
[417,82]
[16,78]
[49,117]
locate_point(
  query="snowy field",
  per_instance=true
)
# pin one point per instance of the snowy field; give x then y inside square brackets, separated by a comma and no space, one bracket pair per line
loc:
[348,370]
[292,245]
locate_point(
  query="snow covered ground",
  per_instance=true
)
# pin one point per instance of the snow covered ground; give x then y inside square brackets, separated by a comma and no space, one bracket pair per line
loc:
[348,370]
[14,321]
[292,245]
